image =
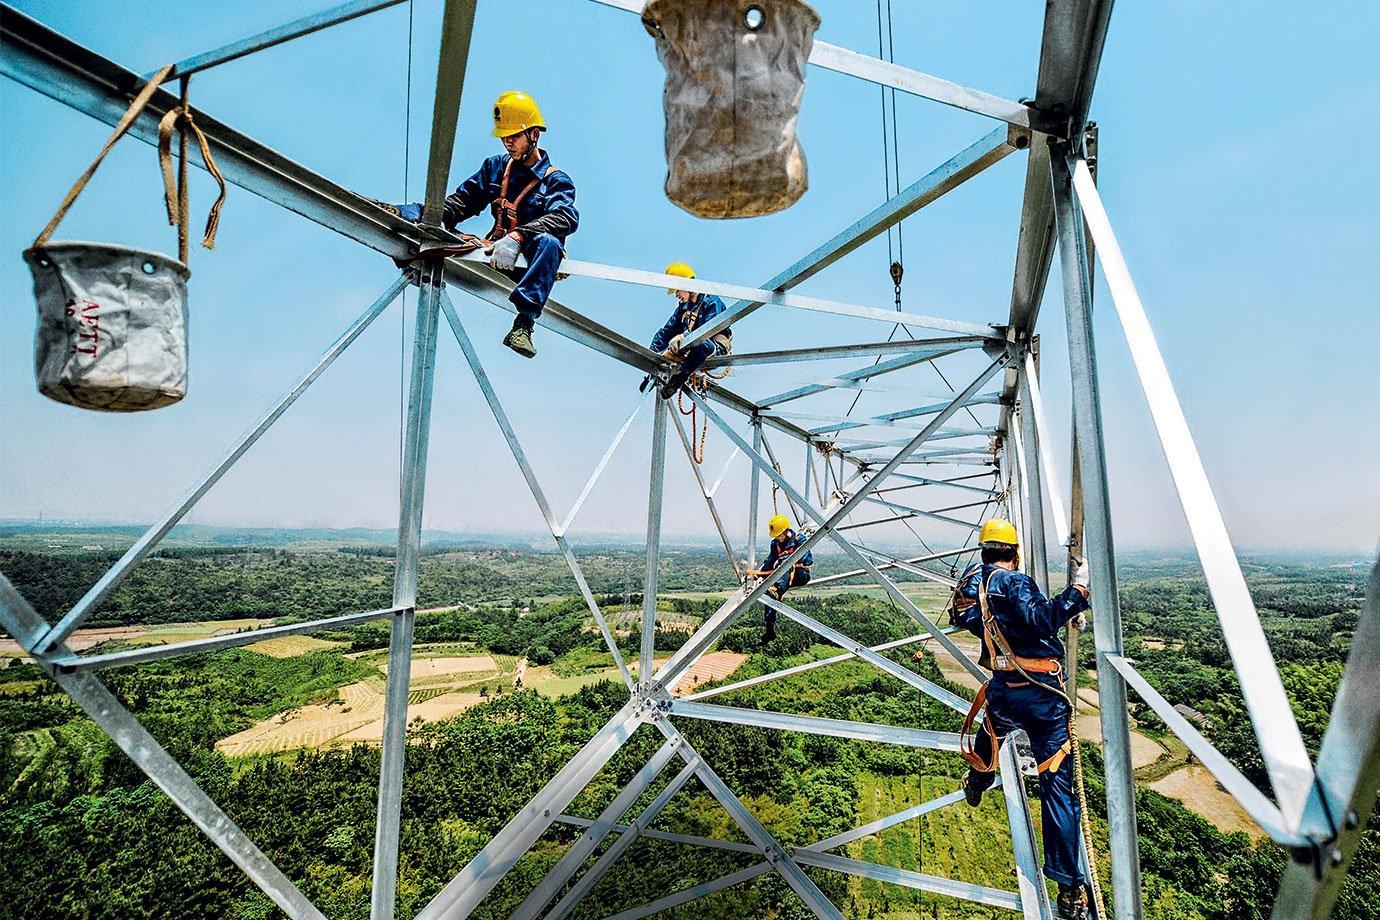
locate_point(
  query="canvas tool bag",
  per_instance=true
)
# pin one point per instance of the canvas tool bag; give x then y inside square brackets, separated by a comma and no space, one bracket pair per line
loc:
[735,75]
[112,320]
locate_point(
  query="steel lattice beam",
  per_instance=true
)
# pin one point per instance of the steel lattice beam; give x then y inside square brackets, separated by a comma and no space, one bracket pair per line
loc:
[1321,812]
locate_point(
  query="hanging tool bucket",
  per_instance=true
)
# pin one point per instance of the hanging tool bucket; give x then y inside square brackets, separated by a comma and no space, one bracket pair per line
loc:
[112,326]
[112,321]
[735,74]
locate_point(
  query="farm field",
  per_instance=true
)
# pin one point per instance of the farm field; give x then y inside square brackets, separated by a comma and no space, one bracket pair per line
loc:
[445,681]
[291,646]
[160,634]
[712,667]
[1195,787]
[277,723]
[956,844]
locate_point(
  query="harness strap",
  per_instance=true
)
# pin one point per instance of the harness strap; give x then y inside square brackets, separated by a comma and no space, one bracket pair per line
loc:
[967,738]
[999,653]
[131,114]
[1055,760]
[505,211]
[1002,658]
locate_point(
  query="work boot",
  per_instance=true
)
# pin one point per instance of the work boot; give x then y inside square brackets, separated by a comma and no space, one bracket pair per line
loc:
[975,783]
[672,386]
[1070,903]
[973,788]
[519,338]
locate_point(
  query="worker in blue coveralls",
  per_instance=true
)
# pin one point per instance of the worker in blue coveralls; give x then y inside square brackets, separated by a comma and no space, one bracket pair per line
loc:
[533,205]
[784,541]
[1019,629]
[692,311]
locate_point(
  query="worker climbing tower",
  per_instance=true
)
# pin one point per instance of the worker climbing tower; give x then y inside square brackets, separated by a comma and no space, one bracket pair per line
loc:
[851,464]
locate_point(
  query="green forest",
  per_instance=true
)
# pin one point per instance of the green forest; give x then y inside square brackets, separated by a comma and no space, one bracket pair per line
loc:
[82,834]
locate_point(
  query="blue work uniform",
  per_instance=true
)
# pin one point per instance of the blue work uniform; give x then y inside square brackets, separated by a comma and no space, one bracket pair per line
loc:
[1030,622]
[797,577]
[541,208]
[688,316]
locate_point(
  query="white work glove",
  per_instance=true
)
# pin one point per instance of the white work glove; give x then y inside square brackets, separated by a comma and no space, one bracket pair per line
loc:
[1080,621]
[673,346]
[505,253]
[1082,575]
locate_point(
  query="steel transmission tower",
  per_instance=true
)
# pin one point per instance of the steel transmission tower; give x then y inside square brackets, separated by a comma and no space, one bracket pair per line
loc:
[1318,808]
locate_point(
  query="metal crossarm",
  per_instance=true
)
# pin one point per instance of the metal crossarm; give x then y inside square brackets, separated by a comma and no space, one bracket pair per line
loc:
[574,857]
[881,824]
[627,835]
[776,855]
[1034,896]
[928,188]
[488,867]
[216,643]
[870,459]
[457,25]
[270,38]
[412,488]
[886,73]
[978,894]
[815,725]
[1281,744]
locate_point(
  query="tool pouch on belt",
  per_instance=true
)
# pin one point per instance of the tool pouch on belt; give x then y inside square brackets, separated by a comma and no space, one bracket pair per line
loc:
[724,340]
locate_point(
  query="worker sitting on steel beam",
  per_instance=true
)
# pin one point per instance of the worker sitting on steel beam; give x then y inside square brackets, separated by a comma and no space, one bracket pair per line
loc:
[784,541]
[692,311]
[1019,629]
[533,205]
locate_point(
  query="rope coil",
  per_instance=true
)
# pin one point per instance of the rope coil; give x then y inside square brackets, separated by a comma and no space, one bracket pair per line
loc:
[699,382]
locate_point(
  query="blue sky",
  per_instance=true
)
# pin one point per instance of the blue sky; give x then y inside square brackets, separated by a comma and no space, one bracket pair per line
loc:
[1237,166]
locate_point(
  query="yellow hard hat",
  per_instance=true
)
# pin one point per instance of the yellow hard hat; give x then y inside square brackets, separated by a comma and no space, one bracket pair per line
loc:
[998,532]
[515,112]
[778,524]
[680,270]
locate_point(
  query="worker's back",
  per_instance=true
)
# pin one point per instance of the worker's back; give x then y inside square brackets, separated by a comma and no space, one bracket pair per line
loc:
[1029,620]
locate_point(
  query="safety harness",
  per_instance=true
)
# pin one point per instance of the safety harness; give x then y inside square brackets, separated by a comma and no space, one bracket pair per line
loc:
[998,656]
[505,211]
[699,382]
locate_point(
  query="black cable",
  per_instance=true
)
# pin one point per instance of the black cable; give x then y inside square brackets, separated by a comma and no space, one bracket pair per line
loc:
[402,317]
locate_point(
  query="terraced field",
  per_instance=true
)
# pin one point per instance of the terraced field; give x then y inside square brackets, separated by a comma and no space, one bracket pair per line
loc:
[292,646]
[445,680]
